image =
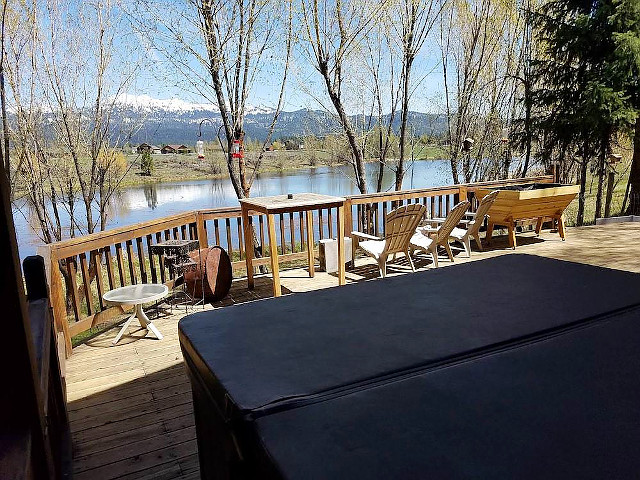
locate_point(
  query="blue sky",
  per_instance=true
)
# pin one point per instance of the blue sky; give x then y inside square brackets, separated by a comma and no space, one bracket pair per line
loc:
[304,82]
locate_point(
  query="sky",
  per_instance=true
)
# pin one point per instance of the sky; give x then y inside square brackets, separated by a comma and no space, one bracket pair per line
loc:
[305,89]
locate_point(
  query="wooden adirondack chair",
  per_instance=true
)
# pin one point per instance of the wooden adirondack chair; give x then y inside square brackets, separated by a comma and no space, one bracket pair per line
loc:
[400,225]
[428,239]
[473,222]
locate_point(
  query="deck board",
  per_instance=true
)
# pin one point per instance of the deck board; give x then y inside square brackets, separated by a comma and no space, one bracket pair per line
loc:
[130,404]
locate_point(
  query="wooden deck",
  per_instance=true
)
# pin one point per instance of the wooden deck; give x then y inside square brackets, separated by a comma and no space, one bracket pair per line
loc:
[130,404]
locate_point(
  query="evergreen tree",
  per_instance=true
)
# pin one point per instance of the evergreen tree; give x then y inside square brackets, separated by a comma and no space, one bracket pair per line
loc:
[146,163]
[580,91]
[625,22]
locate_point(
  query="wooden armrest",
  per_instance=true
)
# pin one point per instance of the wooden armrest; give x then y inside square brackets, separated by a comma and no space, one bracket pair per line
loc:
[366,236]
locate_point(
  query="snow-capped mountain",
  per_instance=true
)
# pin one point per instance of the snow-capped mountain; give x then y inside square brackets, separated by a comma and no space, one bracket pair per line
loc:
[146,103]
[163,121]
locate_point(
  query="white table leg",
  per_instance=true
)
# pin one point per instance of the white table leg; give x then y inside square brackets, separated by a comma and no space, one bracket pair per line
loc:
[124,328]
[146,323]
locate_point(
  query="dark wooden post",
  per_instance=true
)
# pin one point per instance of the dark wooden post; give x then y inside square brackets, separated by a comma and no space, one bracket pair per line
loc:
[24,448]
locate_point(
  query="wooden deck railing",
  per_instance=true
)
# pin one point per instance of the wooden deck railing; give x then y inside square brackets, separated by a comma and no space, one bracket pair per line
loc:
[80,270]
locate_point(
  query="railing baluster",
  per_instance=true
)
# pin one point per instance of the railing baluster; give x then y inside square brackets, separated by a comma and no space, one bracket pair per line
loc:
[240,238]
[330,222]
[384,218]
[132,270]
[141,266]
[71,270]
[227,224]
[320,224]
[216,231]
[86,282]
[161,259]
[292,233]
[96,257]
[262,244]
[120,263]
[301,224]
[375,219]
[109,263]
[283,239]
[152,265]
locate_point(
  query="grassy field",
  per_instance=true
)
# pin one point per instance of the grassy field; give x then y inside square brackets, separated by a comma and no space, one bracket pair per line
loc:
[170,167]
[617,198]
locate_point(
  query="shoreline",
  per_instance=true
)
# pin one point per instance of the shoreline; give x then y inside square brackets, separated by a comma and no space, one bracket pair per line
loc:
[187,167]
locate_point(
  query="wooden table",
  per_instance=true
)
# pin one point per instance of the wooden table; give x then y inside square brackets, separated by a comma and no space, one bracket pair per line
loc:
[299,202]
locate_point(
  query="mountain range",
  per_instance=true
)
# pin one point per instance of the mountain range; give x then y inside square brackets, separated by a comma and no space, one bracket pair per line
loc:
[174,121]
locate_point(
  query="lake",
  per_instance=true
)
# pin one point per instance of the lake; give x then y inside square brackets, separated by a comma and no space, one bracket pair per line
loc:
[145,202]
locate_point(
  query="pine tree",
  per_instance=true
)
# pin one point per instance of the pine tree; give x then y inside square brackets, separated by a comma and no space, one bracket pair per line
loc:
[146,163]
[625,22]
[580,91]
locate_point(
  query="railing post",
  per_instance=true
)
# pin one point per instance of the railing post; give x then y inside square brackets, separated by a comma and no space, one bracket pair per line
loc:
[348,218]
[56,295]
[462,195]
[202,232]
[348,228]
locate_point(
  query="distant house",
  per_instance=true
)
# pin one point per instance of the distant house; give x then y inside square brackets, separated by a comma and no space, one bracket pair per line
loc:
[146,147]
[176,149]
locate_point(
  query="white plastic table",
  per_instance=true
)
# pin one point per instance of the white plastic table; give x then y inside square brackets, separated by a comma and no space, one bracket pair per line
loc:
[137,295]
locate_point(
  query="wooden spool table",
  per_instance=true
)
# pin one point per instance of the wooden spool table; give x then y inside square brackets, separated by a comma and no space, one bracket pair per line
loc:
[299,202]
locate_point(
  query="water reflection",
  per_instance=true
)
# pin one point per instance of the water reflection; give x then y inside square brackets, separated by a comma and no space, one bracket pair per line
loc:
[138,204]
[151,196]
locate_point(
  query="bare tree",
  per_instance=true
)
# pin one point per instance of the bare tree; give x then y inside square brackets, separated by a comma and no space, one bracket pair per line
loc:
[221,49]
[481,57]
[332,31]
[417,18]
[65,161]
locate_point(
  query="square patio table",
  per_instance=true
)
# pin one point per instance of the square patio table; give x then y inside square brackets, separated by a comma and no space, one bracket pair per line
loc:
[299,202]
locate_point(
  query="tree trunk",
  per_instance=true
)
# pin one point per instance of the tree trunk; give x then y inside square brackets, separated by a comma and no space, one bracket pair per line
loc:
[382,156]
[634,174]
[403,121]
[604,143]
[583,184]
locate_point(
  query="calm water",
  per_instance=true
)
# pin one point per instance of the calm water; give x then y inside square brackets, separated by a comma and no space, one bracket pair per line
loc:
[137,204]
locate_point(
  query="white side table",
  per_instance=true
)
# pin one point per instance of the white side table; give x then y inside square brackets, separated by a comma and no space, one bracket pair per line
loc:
[137,295]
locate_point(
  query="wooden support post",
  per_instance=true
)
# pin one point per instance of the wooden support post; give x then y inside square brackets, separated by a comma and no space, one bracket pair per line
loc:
[56,295]
[462,195]
[348,228]
[341,272]
[202,231]
[310,257]
[273,249]
[248,246]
